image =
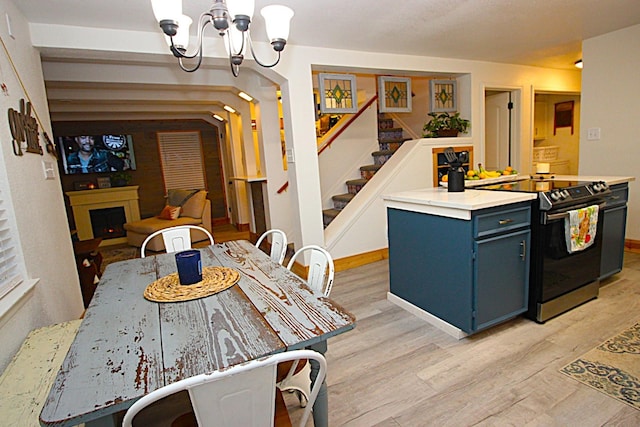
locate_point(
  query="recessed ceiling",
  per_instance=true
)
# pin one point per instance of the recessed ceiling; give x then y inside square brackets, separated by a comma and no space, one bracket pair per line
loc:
[544,33]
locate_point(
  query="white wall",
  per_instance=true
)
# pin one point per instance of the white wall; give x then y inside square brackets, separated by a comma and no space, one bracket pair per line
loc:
[611,102]
[38,203]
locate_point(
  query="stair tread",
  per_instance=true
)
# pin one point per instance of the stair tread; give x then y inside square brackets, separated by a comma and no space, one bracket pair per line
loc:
[343,197]
[370,167]
[360,181]
[396,129]
[383,152]
[331,212]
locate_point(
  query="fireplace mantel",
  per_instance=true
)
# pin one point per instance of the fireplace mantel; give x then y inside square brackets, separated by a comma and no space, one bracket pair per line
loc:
[84,201]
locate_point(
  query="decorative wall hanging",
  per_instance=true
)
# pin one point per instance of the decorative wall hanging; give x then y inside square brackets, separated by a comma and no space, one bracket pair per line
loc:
[338,93]
[394,94]
[443,95]
[24,128]
[563,116]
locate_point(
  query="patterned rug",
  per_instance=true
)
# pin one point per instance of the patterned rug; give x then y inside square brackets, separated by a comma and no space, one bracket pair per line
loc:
[612,368]
[111,254]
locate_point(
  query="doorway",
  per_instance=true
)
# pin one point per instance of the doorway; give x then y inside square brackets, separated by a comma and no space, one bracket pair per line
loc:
[553,143]
[501,147]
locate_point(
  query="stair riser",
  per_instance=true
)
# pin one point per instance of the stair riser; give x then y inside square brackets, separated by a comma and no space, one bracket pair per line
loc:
[367,174]
[339,204]
[390,134]
[393,146]
[381,159]
[353,189]
[385,124]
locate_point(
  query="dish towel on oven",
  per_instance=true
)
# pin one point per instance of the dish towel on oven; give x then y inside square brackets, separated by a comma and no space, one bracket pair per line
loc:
[580,228]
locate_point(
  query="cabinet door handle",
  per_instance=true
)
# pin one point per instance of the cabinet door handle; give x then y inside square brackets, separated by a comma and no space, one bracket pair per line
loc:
[505,221]
[523,253]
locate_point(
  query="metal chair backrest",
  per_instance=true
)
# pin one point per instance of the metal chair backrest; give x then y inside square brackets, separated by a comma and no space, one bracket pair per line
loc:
[242,395]
[278,244]
[176,238]
[321,269]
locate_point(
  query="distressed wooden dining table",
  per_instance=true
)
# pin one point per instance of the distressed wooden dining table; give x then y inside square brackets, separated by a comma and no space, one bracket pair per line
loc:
[128,346]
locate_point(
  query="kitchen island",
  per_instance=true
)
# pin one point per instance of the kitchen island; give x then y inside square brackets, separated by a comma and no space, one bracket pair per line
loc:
[459,261]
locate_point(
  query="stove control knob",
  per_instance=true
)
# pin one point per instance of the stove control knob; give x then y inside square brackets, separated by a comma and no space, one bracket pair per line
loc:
[555,195]
[603,186]
[564,194]
[596,187]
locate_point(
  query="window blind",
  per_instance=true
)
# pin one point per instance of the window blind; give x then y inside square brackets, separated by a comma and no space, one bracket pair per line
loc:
[181,158]
[9,272]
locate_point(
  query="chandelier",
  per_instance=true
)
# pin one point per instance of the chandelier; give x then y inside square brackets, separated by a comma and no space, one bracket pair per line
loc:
[231,18]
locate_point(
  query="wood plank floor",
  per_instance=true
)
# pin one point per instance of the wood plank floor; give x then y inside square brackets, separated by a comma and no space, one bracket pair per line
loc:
[395,370]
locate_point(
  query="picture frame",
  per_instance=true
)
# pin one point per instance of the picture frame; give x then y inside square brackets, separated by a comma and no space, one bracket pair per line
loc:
[104,182]
[563,116]
[394,94]
[338,93]
[444,95]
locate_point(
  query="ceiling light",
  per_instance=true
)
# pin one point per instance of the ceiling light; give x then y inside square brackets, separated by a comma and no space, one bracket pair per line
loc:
[229,109]
[231,18]
[217,117]
[246,97]
[578,63]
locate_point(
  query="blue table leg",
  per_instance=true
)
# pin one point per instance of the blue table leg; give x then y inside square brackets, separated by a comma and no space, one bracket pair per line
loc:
[321,405]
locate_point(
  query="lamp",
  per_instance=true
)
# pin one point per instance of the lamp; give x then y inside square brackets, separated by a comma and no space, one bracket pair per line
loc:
[578,63]
[231,18]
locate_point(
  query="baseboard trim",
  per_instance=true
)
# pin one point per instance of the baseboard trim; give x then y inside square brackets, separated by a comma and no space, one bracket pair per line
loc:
[216,222]
[446,327]
[354,261]
[632,244]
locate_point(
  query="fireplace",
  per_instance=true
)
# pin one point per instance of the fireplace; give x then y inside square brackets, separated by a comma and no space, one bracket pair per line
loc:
[102,212]
[108,222]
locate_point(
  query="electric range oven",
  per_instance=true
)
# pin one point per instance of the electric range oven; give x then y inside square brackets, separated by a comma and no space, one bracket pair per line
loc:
[559,280]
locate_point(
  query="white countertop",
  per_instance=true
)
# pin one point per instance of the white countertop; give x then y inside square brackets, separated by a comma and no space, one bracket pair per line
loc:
[439,201]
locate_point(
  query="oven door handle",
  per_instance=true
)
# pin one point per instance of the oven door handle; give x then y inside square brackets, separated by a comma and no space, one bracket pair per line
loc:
[551,217]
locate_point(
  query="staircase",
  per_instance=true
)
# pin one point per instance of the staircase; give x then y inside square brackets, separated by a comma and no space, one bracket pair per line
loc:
[390,139]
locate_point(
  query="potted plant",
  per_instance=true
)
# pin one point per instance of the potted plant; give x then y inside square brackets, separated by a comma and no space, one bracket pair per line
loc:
[445,124]
[120,179]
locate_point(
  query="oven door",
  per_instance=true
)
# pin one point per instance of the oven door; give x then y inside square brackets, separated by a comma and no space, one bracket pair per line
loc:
[563,272]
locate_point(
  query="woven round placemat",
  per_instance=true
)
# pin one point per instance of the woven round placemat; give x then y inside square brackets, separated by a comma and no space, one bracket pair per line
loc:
[169,289]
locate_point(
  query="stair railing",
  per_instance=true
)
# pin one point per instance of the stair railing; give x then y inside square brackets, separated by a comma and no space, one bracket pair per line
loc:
[338,132]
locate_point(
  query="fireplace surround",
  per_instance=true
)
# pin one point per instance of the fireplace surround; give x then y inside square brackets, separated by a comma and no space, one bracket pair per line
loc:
[85,201]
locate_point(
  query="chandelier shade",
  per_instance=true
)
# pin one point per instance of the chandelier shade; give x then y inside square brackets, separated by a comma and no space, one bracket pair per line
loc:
[231,19]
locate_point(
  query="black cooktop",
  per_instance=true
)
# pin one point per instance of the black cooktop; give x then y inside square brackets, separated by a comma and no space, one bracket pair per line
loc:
[532,185]
[552,193]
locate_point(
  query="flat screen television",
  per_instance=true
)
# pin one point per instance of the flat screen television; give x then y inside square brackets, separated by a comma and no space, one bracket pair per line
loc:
[96,153]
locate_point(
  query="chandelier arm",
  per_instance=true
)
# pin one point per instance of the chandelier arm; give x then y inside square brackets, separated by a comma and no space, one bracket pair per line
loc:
[253,53]
[195,67]
[204,19]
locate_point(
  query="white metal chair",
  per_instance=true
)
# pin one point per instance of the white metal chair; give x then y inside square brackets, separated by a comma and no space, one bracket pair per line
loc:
[319,278]
[321,269]
[278,244]
[243,395]
[176,238]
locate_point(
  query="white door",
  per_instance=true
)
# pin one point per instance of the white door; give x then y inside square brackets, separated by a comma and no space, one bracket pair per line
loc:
[497,130]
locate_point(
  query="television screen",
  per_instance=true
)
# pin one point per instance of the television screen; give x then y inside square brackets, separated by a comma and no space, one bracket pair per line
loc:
[96,153]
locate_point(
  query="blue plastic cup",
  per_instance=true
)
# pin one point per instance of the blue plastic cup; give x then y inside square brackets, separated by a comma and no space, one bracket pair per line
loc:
[189,266]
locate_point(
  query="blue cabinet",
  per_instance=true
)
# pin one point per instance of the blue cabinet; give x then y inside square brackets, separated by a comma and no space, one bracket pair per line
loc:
[470,273]
[613,230]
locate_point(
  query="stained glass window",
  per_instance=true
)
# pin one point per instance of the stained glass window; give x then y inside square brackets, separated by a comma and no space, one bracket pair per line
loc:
[338,93]
[394,94]
[443,95]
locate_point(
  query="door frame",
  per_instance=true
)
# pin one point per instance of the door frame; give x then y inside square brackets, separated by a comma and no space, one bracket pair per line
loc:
[516,144]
